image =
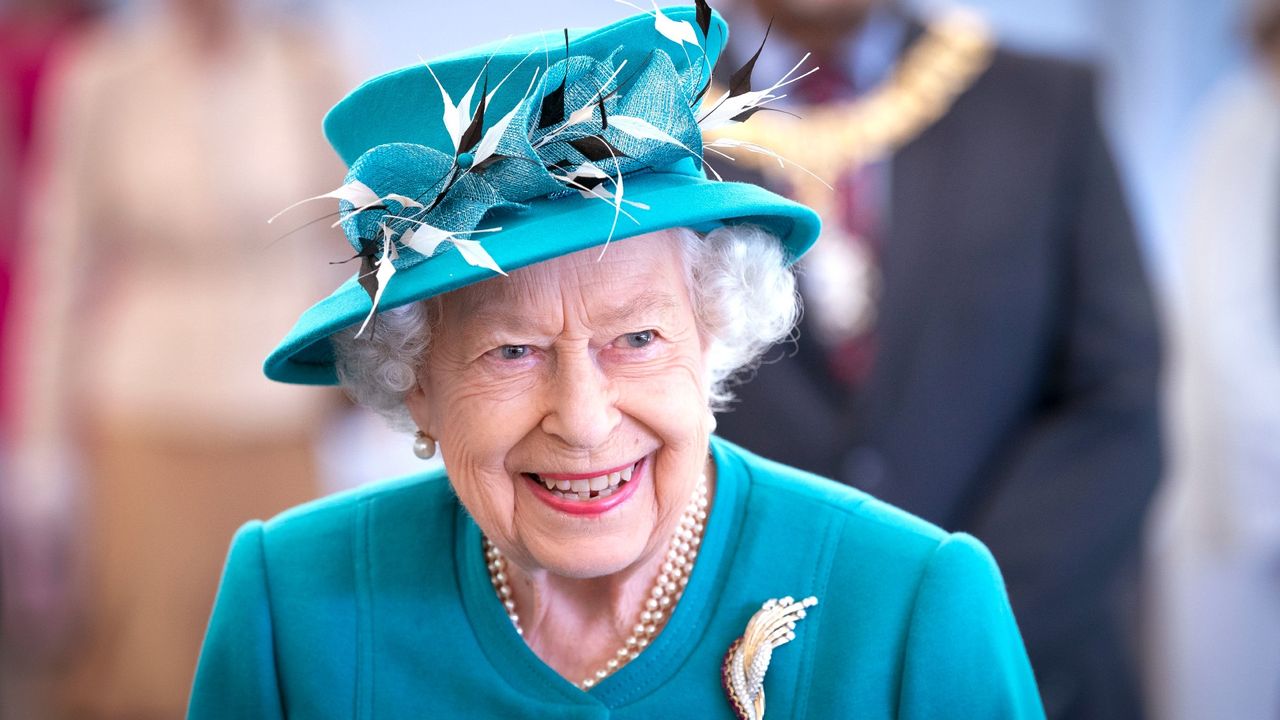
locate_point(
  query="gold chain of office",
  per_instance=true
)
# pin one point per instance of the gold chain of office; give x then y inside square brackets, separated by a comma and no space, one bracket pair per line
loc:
[832,138]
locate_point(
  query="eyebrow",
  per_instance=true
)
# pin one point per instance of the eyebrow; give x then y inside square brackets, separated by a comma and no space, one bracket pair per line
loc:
[648,303]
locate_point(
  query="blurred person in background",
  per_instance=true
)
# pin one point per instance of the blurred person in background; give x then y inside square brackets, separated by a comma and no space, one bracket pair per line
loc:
[979,342]
[150,288]
[32,34]
[1214,547]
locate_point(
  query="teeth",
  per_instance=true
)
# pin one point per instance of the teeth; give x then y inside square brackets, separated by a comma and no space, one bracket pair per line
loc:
[589,488]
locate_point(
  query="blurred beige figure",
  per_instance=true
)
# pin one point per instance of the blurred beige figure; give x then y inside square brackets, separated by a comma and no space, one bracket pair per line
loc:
[155,288]
[1214,640]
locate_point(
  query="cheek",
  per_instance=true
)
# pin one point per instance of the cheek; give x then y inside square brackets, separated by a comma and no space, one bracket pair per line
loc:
[476,417]
[477,433]
[672,400]
[476,471]
[673,407]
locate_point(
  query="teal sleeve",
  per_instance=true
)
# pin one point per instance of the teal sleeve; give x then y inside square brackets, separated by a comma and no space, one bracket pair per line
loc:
[236,676]
[964,656]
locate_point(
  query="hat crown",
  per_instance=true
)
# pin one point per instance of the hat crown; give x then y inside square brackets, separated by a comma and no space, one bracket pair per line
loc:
[493,129]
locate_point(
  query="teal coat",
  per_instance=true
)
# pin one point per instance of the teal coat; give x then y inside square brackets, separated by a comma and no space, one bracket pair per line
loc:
[377,604]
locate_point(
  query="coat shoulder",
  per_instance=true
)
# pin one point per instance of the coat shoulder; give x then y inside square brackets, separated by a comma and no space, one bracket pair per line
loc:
[328,524]
[800,502]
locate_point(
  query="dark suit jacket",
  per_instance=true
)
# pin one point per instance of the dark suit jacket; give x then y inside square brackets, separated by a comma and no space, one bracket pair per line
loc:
[1014,391]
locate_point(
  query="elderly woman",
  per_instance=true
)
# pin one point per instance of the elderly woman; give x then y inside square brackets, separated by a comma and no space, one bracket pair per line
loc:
[553,293]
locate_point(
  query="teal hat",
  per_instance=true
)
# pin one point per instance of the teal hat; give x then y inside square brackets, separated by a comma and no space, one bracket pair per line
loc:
[500,157]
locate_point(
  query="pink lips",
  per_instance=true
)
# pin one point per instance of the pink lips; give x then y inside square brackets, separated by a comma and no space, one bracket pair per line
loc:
[597,506]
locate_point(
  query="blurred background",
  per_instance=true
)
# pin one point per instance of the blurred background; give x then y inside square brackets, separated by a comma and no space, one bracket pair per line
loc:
[1129,486]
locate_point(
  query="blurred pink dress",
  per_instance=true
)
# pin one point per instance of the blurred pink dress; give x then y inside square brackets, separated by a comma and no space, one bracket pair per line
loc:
[155,291]
[27,46]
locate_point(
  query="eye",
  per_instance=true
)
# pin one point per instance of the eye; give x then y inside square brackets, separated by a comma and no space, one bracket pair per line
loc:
[638,339]
[513,352]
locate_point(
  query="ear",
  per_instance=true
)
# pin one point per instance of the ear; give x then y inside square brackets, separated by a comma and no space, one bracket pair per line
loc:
[419,405]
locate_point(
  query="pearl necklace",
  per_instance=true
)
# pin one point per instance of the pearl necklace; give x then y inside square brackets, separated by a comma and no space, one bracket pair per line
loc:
[666,591]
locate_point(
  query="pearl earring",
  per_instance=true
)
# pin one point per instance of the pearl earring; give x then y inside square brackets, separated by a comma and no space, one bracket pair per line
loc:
[424,446]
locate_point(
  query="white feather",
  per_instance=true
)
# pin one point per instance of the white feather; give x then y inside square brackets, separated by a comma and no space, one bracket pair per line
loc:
[679,32]
[489,143]
[710,167]
[354,192]
[603,193]
[591,170]
[424,238]
[670,29]
[585,170]
[581,115]
[386,270]
[643,129]
[725,109]
[617,205]
[405,202]
[476,255]
[726,142]
[463,112]
[456,117]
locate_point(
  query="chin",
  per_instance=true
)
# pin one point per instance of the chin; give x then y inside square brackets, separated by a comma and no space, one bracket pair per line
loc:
[588,558]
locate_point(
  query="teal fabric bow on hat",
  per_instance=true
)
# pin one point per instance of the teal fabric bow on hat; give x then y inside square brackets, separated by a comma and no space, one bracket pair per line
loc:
[582,127]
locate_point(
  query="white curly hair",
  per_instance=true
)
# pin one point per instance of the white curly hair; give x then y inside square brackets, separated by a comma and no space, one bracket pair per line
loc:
[742,290]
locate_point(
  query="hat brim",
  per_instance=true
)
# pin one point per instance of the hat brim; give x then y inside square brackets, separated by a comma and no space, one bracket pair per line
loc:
[549,228]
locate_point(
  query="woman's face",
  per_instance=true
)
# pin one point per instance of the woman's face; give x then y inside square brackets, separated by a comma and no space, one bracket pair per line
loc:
[572,369]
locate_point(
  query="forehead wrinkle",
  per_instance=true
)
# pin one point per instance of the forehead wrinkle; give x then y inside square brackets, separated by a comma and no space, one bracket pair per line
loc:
[583,284]
[508,303]
[647,304]
[614,288]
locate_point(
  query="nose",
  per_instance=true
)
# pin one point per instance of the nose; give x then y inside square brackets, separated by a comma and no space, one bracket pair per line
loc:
[581,403]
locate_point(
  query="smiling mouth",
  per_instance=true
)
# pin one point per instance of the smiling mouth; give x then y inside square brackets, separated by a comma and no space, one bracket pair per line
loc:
[581,489]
